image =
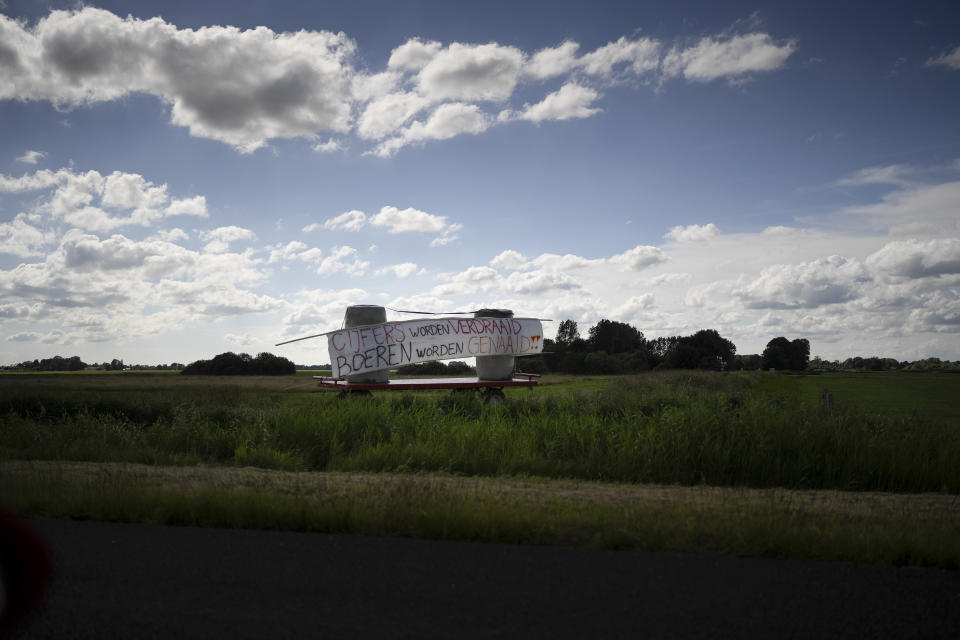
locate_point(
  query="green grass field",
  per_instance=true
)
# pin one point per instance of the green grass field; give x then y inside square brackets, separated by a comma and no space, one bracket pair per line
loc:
[888,432]
[930,395]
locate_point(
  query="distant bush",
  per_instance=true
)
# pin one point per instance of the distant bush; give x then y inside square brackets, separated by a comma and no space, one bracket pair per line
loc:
[241,364]
[436,368]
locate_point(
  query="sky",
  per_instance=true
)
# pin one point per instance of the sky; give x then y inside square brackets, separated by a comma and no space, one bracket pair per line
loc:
[179,179]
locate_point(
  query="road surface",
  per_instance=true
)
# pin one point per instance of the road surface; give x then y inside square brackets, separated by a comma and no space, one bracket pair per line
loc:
[144,581]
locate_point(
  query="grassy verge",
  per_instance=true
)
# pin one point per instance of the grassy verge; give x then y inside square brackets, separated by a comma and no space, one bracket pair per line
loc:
[918,529]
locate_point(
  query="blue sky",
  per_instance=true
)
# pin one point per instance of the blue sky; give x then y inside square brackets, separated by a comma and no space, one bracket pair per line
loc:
[179,179]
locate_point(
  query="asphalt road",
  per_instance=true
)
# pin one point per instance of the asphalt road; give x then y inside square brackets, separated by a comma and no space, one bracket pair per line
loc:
[143,581]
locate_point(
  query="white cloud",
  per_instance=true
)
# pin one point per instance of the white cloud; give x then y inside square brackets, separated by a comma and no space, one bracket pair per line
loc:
[329,146]
[539,282]
[402,270]
[102,203]
[486,72]
[293,250]
[366,87]
[917,258]
[239,87]
[668,279]
[449,234]
[570,101]
[247,87]
[413,55]
[195,206]
[693,233]
[640,257]
[552,61]
[949,59]
[349,220]
[510,260]
[634,307]
[410,219]
[923,210]
[387,114]
[19,238]
[468,281]
[817,283]
[32,157]
[342,259]
[734,57]
[244,340]
[566,262]
[449,120]
[218,240]
[891,174]
[25,336]
[171,235]
[641,56]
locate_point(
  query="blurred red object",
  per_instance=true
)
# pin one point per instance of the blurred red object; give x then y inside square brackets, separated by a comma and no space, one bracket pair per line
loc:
[25,572]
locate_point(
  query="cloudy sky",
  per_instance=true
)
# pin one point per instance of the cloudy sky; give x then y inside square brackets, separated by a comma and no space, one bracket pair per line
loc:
[183,178]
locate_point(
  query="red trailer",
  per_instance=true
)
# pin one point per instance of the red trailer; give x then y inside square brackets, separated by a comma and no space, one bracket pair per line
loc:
[493,388]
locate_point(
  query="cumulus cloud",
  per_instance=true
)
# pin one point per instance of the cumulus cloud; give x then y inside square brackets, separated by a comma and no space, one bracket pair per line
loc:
[218,240]
[244,340]
[566,262]
[329,146]
[467,72]
[413,55]
[171,235]
[19,238]
[96,202]
[402,270]
[195,206]
[395,220]
[733,57]
[241,87]
[247,87]
[539,282]
[510,260]
[693,233]
[920,210]
[349,220]
[640,257]
[949,59]
[570,101]
[468,281]
[447,121]
[552,61]
[817,283]
[293,251]
[342,259]
[409,219]
[32,157]
[641,56]
[385,115]
[918,258]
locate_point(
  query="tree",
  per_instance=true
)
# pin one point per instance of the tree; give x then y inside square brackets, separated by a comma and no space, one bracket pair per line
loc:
[799,354]
[784,354]
[566,333]
[615,337]
[776,355]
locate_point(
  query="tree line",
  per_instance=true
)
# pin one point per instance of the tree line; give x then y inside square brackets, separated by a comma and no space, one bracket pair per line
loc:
[617,347]
[241,364]
[74,363]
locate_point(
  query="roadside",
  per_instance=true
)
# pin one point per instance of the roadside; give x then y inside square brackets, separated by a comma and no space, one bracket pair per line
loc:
[871,527]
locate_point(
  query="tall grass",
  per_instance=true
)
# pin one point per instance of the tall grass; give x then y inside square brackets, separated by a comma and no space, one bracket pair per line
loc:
[685,428]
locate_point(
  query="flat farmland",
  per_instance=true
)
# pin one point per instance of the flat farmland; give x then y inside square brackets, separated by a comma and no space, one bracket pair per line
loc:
[745,462]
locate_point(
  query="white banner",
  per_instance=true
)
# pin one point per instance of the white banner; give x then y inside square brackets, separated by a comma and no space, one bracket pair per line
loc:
[393,344]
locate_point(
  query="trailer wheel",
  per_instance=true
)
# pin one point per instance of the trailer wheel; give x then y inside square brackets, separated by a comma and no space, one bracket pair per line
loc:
[494,396]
